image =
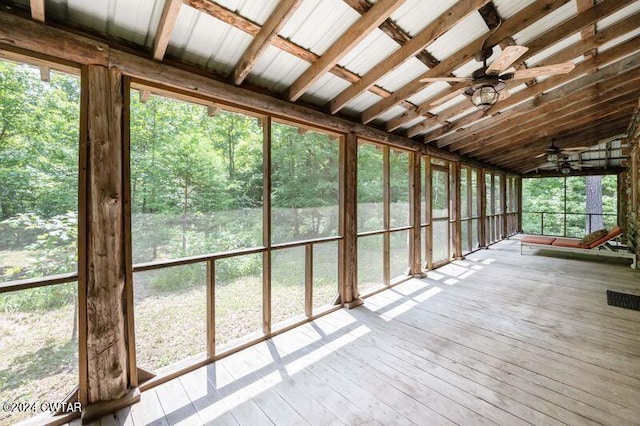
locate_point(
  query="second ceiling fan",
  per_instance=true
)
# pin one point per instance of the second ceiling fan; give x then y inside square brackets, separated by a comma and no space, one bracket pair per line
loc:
[487,85]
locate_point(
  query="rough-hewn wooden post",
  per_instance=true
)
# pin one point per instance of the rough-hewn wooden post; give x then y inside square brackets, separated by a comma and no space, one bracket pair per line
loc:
[416,212]
[519,193]
[482,193]
[503,201]
[107,367]
[349,291]
[457,210]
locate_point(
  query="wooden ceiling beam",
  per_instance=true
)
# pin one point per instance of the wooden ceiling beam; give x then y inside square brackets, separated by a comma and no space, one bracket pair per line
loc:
[37,10]
[605,73]
[438,27]
[588,136]
[165,28]
[231,18]
[347,41]
[535,46]
[510,26]
[594,113]
[396,33]
[269,30]
[590,30]
[538,119]
[554,118]
[585,67]
[566,54]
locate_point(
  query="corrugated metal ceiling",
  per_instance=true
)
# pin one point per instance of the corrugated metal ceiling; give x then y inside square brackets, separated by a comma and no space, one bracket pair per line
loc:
[208,42]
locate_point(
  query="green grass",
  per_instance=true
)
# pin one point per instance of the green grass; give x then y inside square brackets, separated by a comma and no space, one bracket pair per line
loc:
[39,354]
[39,361]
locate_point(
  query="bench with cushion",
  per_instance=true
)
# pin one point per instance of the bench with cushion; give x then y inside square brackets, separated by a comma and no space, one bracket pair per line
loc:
[597,243]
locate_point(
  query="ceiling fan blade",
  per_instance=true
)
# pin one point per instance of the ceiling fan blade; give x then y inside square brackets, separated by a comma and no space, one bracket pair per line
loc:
[503,94]
[509,55]
[448,97]
[576,148]
[530,73]
[540,155]
[452,79]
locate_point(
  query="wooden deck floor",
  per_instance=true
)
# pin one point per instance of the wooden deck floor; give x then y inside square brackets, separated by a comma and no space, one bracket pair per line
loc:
[498,338]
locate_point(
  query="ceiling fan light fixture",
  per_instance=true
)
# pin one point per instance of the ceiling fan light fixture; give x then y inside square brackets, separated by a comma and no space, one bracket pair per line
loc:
[485,96]
[565,168]
[552,158]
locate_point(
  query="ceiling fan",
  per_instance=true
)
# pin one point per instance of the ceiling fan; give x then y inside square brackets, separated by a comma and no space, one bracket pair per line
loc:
[553,152]
[566,165]
[487,85]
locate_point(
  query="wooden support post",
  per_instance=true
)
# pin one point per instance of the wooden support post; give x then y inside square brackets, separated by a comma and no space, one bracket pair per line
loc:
[266,221]
[457,211]
[108,377]
[482,194]
[428,243]
[415,219]
[83,260]
[386,206]
[349,164]
[503,202]
[211,309]
[308,280]
[128,246]
[519,206]
[470,212]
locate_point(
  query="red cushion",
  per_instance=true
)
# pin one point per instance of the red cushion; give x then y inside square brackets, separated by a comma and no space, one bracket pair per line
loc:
[613,232]
[568,242]
[537,239]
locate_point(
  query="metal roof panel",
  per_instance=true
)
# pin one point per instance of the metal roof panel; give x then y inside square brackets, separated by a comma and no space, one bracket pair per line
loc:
[403,74]
[470,28]
[369,52]
[541,26]
[507,8]
[414,15]
[316,25]
[276,70]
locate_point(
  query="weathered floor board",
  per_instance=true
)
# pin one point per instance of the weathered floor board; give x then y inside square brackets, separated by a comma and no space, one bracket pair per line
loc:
[497,338]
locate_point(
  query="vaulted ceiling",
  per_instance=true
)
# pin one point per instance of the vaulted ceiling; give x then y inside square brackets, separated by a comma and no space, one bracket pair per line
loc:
[367,61]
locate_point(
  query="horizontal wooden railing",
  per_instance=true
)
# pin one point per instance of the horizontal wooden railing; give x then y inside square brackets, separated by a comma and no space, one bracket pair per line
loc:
[588,217]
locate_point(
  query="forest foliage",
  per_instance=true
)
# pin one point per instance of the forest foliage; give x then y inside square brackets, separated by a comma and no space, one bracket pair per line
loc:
[197,182]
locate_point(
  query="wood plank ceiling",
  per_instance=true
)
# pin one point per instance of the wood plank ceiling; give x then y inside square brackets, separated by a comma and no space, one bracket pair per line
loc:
[372,67]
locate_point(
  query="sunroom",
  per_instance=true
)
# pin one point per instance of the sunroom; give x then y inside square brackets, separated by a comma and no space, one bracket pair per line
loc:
[301,211]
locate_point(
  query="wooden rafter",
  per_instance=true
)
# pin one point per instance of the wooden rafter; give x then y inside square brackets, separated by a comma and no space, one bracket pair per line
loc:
[356,33]
[269,30]
[446,21]
[37,10]
[165,28]
[566,54]
[549,119]
[568,119]
[596,110]
[589,137]
[590,30]
[561,95]
[396,33]
[515,23]
[610,55]
[229,17]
